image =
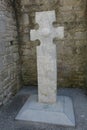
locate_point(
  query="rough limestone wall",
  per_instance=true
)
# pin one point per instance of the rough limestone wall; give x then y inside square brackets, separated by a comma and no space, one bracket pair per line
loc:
[71,51]
[9,57]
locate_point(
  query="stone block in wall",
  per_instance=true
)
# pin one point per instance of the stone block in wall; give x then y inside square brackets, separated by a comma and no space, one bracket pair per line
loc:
[25,19]
[1,63]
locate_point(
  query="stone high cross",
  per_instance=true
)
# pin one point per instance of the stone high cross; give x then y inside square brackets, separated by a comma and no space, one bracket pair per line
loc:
[46,55]
[51,108]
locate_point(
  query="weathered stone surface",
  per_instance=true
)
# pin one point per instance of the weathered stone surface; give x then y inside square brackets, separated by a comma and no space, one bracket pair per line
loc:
[46,55]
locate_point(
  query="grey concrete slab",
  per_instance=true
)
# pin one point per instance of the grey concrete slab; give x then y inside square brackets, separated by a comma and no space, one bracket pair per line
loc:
[59,113]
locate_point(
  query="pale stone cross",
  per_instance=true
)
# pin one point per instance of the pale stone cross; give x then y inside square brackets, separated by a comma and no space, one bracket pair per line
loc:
[46,55]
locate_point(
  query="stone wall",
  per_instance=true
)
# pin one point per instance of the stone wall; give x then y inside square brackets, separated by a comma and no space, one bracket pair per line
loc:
[71,51]
[9,56]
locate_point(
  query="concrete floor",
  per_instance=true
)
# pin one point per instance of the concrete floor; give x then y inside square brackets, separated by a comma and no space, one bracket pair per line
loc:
[9,111]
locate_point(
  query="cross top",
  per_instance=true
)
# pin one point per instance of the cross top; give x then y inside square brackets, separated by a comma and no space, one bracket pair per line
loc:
[46,30]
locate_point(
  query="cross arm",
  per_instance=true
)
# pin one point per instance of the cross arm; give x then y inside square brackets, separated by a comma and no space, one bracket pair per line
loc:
[59,32]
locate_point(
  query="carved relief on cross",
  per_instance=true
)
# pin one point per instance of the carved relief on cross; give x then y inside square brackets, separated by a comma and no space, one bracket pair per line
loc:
[46,55]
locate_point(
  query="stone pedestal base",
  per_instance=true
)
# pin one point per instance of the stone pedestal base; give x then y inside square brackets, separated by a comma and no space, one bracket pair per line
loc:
[60,113]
